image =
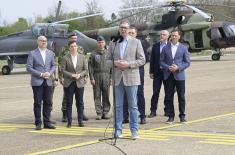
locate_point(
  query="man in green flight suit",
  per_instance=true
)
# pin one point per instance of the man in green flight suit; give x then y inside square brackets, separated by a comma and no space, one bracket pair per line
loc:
[64,51]
[100,70]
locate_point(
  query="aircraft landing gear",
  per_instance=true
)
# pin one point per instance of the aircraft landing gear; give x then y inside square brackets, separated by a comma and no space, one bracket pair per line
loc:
[6,70]
[216,55]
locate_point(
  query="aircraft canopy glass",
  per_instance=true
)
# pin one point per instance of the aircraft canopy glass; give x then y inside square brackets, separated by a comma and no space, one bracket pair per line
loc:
[232,28]
[50,29]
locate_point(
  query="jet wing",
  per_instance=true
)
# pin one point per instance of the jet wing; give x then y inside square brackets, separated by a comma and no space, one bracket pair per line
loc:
[14,53]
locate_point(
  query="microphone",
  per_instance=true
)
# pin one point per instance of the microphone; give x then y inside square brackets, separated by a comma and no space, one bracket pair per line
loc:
[118,39]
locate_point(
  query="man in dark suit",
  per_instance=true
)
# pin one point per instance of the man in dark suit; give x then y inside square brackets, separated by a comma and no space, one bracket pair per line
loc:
[174,60]
[156,72]
[41,66]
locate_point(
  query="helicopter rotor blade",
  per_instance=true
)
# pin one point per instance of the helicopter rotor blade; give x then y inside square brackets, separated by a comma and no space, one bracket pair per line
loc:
[202,5]
[228,17]
[136,8]
[77,18]
[203,14]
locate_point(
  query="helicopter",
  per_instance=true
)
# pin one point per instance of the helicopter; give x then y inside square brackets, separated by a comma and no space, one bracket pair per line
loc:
[15,47]
[199,30]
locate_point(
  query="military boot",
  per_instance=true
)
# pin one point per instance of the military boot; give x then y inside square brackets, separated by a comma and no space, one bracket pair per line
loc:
[64,117]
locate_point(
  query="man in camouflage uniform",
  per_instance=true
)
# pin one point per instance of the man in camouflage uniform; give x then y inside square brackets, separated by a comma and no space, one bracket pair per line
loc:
[100,70]
[64,51]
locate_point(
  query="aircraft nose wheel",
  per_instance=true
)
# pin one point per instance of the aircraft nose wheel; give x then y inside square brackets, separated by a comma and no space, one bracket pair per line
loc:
[215,57]
[6,70]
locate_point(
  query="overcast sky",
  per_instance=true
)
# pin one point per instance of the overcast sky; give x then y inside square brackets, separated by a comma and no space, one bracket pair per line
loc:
[11,10]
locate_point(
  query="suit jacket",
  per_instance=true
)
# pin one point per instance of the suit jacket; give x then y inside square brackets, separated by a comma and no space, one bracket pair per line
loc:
[182,60]
[134,54]
[154,67]
[35,66]
[68,69]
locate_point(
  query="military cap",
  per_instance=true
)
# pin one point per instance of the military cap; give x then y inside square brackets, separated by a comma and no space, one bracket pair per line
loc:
[100,38]
[72,34]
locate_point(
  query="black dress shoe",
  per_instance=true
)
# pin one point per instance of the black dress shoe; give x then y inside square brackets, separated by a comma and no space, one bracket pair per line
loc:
[85,118]
[182,120]
[38,127]
[81,124]
[152,114]
[170,120]
[69,125]
[49,126]
[126,120]
[105,116]
[142,121]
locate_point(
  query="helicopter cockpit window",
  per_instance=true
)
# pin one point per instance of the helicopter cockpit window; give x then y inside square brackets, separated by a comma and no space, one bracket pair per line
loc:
[50,30]
[39,30]
[232,29]
[215,33]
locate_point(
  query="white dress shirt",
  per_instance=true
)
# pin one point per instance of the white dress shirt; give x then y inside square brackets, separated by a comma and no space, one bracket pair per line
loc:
[74,60]
[123,45]
[43,54]
[162,44]
[174,49]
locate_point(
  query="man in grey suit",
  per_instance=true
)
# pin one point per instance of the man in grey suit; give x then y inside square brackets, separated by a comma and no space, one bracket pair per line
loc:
[174,59]
[128,56]
[41,66]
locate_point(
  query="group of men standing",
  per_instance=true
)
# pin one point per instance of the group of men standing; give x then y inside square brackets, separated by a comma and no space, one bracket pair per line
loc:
[122,64]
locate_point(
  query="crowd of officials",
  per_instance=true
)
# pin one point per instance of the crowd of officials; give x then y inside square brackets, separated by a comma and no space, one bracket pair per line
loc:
[120,65]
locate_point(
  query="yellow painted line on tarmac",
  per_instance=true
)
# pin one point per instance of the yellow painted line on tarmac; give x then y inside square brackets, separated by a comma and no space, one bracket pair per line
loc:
[165,127]
[28,126]
[8,129]
[222,140]
[58,133]
[66,147]
[155,139]
[194,121]
[197,135]
[210,118]
[219,143]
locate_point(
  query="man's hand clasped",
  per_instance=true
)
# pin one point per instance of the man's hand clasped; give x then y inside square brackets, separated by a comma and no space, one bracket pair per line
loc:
[46,75]
[173,68]
[76,76]
[121,64]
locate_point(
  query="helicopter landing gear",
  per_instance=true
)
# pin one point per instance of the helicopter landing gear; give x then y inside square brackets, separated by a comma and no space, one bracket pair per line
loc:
[216,55]
[6,70]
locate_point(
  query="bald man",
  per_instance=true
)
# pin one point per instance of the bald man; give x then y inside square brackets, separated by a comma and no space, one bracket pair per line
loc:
[41,66]
[156,73]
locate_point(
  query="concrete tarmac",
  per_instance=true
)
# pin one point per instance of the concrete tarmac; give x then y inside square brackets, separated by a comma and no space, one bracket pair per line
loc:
[210,112]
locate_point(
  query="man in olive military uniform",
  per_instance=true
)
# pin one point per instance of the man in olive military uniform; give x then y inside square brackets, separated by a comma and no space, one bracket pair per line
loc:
[100,70]
[64,51]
